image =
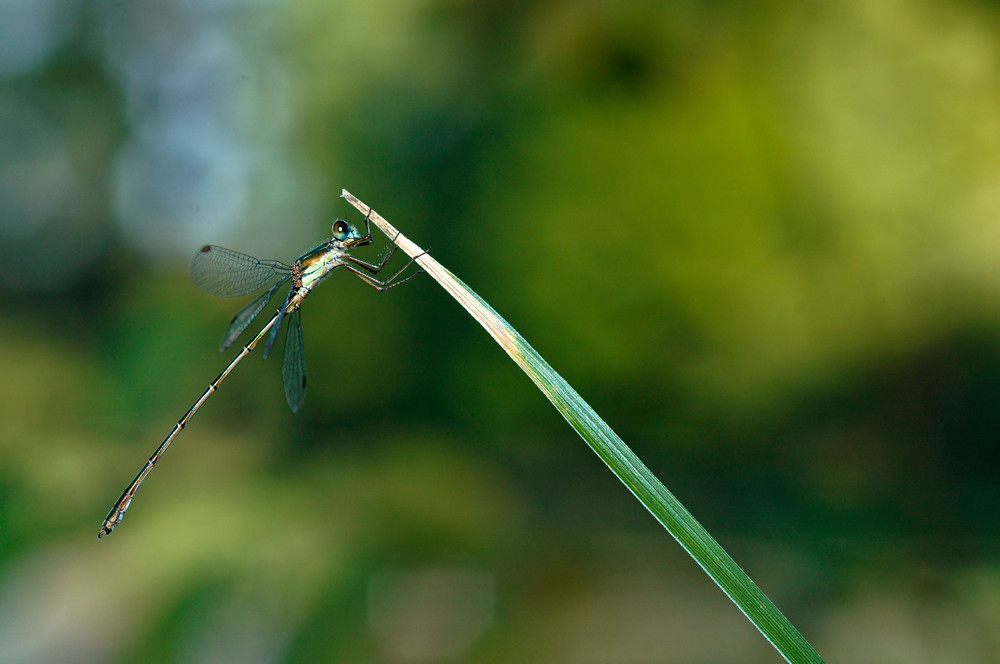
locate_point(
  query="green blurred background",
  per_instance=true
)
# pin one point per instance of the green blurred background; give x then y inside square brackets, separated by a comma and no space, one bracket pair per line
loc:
[762,240]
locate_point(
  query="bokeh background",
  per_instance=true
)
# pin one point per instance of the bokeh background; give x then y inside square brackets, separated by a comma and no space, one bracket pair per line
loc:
[762,239]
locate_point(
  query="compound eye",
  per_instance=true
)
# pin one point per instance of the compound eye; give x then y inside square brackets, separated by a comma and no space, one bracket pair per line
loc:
[341,229]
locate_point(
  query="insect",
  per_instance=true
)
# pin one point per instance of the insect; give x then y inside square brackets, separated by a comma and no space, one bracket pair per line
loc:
[227,273]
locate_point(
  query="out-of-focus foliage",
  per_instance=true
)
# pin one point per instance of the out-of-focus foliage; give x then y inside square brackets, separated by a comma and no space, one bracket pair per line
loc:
[761,239]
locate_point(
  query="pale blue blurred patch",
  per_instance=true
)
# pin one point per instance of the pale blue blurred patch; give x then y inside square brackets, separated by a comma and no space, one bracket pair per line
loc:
[176,130]
[208,126]
[31,31]
[182,182]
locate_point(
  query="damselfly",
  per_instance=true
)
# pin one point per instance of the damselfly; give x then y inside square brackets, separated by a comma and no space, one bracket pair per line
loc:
[228,273]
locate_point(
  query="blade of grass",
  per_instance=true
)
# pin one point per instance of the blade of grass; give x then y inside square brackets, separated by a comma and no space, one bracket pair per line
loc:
[662,504]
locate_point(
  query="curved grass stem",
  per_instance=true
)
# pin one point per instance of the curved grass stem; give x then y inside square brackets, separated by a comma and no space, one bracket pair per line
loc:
[662,504]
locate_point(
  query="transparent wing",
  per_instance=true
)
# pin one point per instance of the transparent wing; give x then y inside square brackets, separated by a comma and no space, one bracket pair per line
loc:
[227,273]
[293,368]
[245,316]
[278,320]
